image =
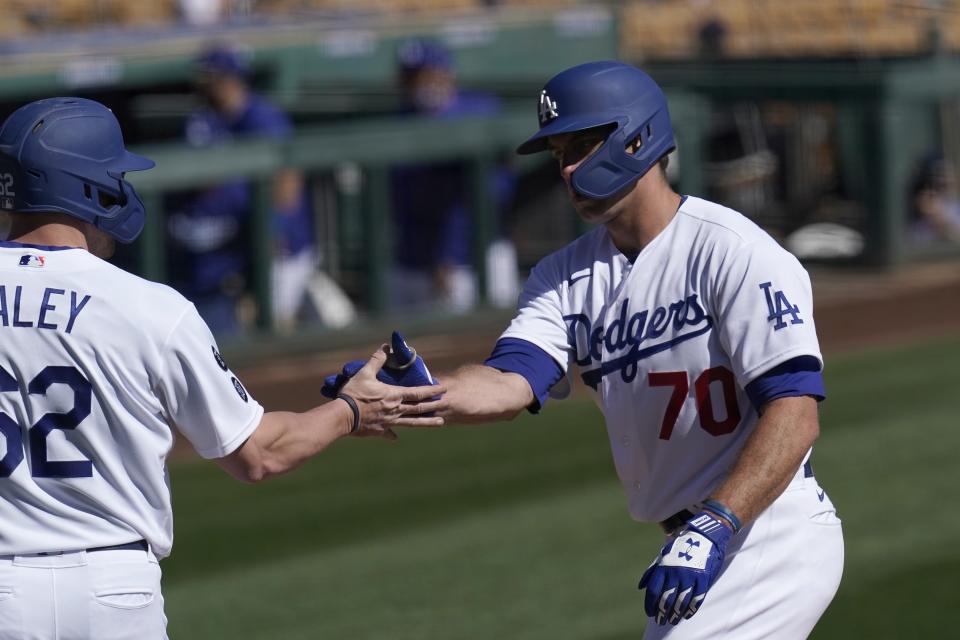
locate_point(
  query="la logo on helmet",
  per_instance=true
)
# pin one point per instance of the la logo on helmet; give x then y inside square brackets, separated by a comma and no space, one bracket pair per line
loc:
[548,108]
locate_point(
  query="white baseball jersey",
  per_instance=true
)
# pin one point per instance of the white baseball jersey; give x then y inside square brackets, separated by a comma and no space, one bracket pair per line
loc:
[97,367]
[669,342]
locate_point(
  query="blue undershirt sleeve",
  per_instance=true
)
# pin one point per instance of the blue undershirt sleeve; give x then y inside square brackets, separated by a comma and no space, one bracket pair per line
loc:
[798,376]
[530,361]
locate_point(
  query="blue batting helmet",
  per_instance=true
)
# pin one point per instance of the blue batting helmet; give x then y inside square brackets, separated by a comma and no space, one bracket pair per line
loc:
[610,93]
[66,155]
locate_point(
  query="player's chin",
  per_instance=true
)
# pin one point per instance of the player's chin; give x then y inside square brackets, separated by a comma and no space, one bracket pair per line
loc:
[591,211]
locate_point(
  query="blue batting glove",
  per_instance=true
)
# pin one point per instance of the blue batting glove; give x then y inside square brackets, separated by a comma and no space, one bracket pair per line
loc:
[404,368]
[333,383]
[678,580]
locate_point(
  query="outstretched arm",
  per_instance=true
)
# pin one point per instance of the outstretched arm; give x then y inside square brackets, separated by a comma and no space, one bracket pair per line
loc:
[478,393]
[518,375]
[284,440]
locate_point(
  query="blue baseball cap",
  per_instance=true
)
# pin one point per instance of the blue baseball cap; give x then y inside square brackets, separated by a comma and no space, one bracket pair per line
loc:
[222,59]
[420,53]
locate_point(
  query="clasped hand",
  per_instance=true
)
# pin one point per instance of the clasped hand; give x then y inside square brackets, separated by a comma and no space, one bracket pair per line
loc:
[392,388]
[402,368]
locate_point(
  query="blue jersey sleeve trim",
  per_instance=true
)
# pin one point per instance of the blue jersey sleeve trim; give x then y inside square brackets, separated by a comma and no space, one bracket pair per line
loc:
[798,376]
[530,361]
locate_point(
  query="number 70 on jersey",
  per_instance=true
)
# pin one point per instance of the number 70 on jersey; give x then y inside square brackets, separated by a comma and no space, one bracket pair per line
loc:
[680,382]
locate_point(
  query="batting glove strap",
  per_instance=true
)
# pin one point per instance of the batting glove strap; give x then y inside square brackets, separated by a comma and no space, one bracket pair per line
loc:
[709,527]
[689,563]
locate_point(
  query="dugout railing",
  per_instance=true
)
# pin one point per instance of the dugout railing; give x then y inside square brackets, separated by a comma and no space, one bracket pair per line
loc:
[889,113]
[372,147]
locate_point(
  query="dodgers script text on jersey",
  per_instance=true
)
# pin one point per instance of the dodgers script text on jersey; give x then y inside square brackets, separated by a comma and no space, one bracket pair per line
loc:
[677,334]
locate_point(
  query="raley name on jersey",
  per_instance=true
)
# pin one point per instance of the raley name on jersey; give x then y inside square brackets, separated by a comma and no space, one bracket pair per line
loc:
[642,328]
[45,316]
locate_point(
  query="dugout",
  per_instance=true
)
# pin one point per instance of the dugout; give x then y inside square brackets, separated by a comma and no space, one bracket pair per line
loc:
[886,115]
[359,155]
[883,117]
[335,76]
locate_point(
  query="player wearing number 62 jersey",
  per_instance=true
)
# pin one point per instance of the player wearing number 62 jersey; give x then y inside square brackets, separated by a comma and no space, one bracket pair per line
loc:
[97,369]
[694,332]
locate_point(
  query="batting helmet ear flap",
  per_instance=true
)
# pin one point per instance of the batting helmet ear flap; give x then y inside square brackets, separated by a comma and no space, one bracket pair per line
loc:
[612,168]
[601,175]
[127,217]
[128,221]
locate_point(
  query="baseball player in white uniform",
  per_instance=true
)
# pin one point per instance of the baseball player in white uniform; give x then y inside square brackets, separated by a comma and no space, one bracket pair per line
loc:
[693,331]
[97,368]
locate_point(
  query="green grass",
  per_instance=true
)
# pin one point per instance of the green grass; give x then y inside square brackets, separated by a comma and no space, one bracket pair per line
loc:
[520,531]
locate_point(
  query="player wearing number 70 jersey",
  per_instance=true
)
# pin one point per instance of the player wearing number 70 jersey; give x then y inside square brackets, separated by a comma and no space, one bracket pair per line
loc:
[97,368]
[694,332]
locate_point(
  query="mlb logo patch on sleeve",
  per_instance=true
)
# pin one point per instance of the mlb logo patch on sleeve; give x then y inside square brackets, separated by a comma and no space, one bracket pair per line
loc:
[31,260]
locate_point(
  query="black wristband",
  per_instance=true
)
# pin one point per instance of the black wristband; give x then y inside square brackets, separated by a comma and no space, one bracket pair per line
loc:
[353,407]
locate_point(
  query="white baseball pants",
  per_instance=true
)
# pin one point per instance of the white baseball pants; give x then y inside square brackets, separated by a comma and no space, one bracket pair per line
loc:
[778,577]
[98,595]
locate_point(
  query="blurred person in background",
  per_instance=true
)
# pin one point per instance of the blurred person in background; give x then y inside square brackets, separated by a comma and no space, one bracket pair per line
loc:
[432,218]
[209,246]
[211,229]
[712,38]
[935,202]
